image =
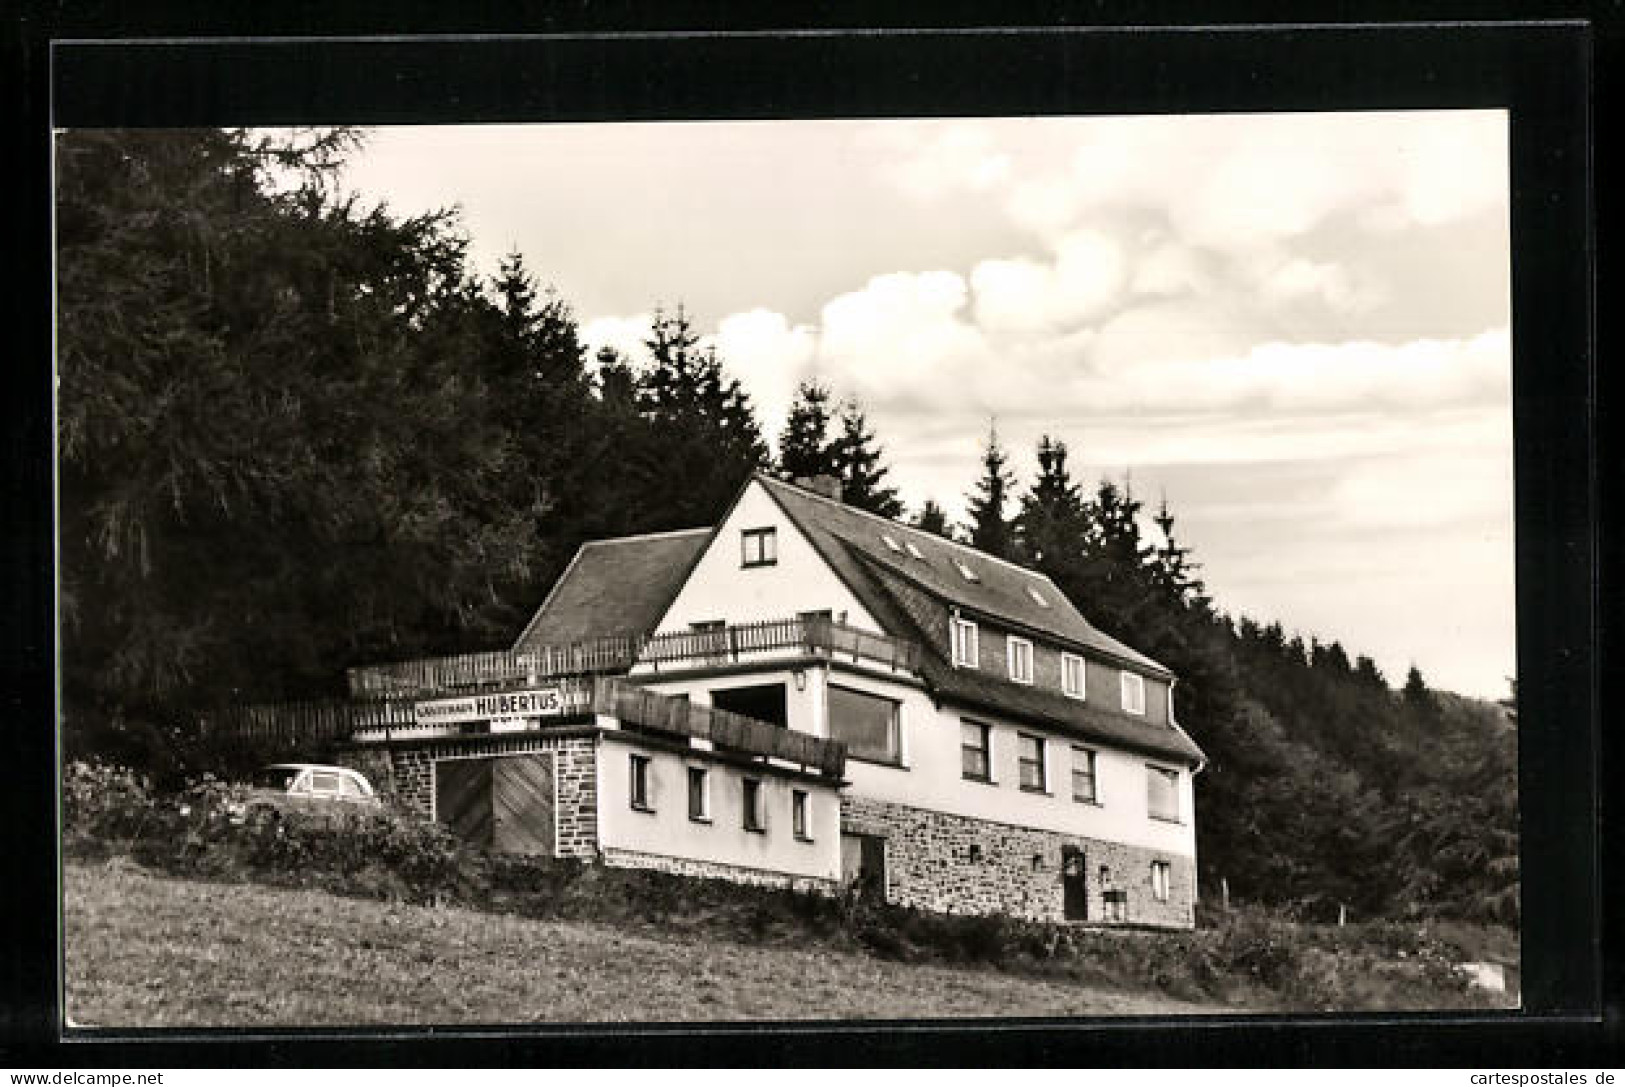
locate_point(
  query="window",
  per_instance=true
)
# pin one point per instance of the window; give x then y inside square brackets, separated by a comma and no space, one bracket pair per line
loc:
[1162,793]
[639,784]
[324,784]
[350,787]
[760,546]
[699,794]
[1019,656]
[1038,597]
[865,723]
[966,572]
[754,817]
[1159,880]
[1030,752]
[912,550]
[1083,776]
[1073,675]
[975,747]
[964,633]
[798,815]
[891,543]
[1133,693]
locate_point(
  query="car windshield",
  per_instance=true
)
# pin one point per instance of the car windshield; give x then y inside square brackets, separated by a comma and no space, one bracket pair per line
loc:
[275,777]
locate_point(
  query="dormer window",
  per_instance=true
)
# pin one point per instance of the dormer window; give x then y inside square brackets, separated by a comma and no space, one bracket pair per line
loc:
[1072,675]
[891,543]
[966,572]
[912,550]
[964,635]
[1038,597]
[759,547]
[1133,693]
[1019,657]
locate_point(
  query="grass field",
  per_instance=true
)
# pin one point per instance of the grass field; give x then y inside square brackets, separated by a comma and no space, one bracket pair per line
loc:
[145,950]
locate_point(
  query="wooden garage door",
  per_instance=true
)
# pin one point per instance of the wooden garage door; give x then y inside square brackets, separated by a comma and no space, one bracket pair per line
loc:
[522,802]
[501,804]
[462,798]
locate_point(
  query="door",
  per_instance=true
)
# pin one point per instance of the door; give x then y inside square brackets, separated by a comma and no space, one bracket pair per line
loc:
[863,862]
[522,805]
[501,804]
[1074,884]
[462,798]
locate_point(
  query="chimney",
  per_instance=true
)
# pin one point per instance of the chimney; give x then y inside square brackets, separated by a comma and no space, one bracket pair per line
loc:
[828,486]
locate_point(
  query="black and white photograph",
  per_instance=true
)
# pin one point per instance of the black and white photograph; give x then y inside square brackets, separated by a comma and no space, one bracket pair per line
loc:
[786,570]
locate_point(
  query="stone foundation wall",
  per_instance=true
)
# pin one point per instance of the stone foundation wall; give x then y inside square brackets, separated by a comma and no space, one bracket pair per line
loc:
[761,877]
[954,864]
[575,780]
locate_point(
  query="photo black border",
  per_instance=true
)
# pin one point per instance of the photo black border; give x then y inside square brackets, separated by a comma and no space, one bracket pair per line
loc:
[588,66]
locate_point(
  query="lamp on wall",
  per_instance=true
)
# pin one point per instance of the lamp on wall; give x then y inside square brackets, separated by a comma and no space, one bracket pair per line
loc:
[801,679]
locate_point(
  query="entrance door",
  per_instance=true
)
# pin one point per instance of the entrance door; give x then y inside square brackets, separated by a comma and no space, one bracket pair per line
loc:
[1074,884]
[501,804]
[863,862]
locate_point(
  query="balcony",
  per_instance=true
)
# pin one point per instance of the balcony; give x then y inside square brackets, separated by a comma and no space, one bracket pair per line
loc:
[738,644]
[294,725]
[637,709]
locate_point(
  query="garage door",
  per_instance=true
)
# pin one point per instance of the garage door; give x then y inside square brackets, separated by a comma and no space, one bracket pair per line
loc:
[501,804]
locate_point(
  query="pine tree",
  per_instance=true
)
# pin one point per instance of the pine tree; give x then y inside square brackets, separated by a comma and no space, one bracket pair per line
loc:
[990,529]
[857,465]
[1416,693]
[805,450]
[1051,525]
[1173,570]
[933,518]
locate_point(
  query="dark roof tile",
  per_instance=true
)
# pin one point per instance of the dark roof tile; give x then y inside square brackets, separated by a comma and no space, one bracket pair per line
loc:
[614,588]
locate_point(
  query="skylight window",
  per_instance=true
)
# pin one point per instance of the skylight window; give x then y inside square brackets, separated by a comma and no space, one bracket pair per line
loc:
[1038,597]
[966,572]
[891,543]
[912,550]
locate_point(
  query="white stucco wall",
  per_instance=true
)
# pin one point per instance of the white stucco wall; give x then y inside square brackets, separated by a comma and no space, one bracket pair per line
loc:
[721,588]
[668,831]
[932,778]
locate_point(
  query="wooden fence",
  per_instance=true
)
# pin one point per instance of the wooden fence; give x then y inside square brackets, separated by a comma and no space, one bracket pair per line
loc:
[475,671]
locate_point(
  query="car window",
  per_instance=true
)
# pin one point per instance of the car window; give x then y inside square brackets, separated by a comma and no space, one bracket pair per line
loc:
[321,782]
[349,786]
[275,777]
[301,784]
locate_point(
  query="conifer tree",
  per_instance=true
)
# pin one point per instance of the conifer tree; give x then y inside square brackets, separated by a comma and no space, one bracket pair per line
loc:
[990,529]
[1051,526]
[804,448]
[933,518]
[857,464]
[1173,570]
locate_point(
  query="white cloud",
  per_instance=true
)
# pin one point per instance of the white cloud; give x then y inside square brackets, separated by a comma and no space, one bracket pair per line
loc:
[624,334]
[770,356]
[1298,279]
[1087,275]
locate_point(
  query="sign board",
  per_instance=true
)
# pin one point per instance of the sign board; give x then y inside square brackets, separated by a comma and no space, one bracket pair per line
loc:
[510,707]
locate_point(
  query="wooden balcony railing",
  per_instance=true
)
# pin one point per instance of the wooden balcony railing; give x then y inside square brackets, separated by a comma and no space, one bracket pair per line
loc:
[608,656]
[637,708]
[474,671]
[293,725]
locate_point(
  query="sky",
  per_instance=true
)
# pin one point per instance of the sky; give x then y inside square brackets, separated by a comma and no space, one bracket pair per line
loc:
[1295,327]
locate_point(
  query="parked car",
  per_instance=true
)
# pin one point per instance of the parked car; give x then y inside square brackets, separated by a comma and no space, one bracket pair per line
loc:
[302,786]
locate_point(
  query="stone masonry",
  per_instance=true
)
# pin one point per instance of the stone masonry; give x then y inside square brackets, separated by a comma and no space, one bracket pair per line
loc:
[954,864]
[761,877]
[575,779]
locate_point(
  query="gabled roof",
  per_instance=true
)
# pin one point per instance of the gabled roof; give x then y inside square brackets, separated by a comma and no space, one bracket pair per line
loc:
[1087,720]
[850,539]
[614,588]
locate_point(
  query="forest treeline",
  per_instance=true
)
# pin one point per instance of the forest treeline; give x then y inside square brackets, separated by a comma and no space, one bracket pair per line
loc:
[298,432]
